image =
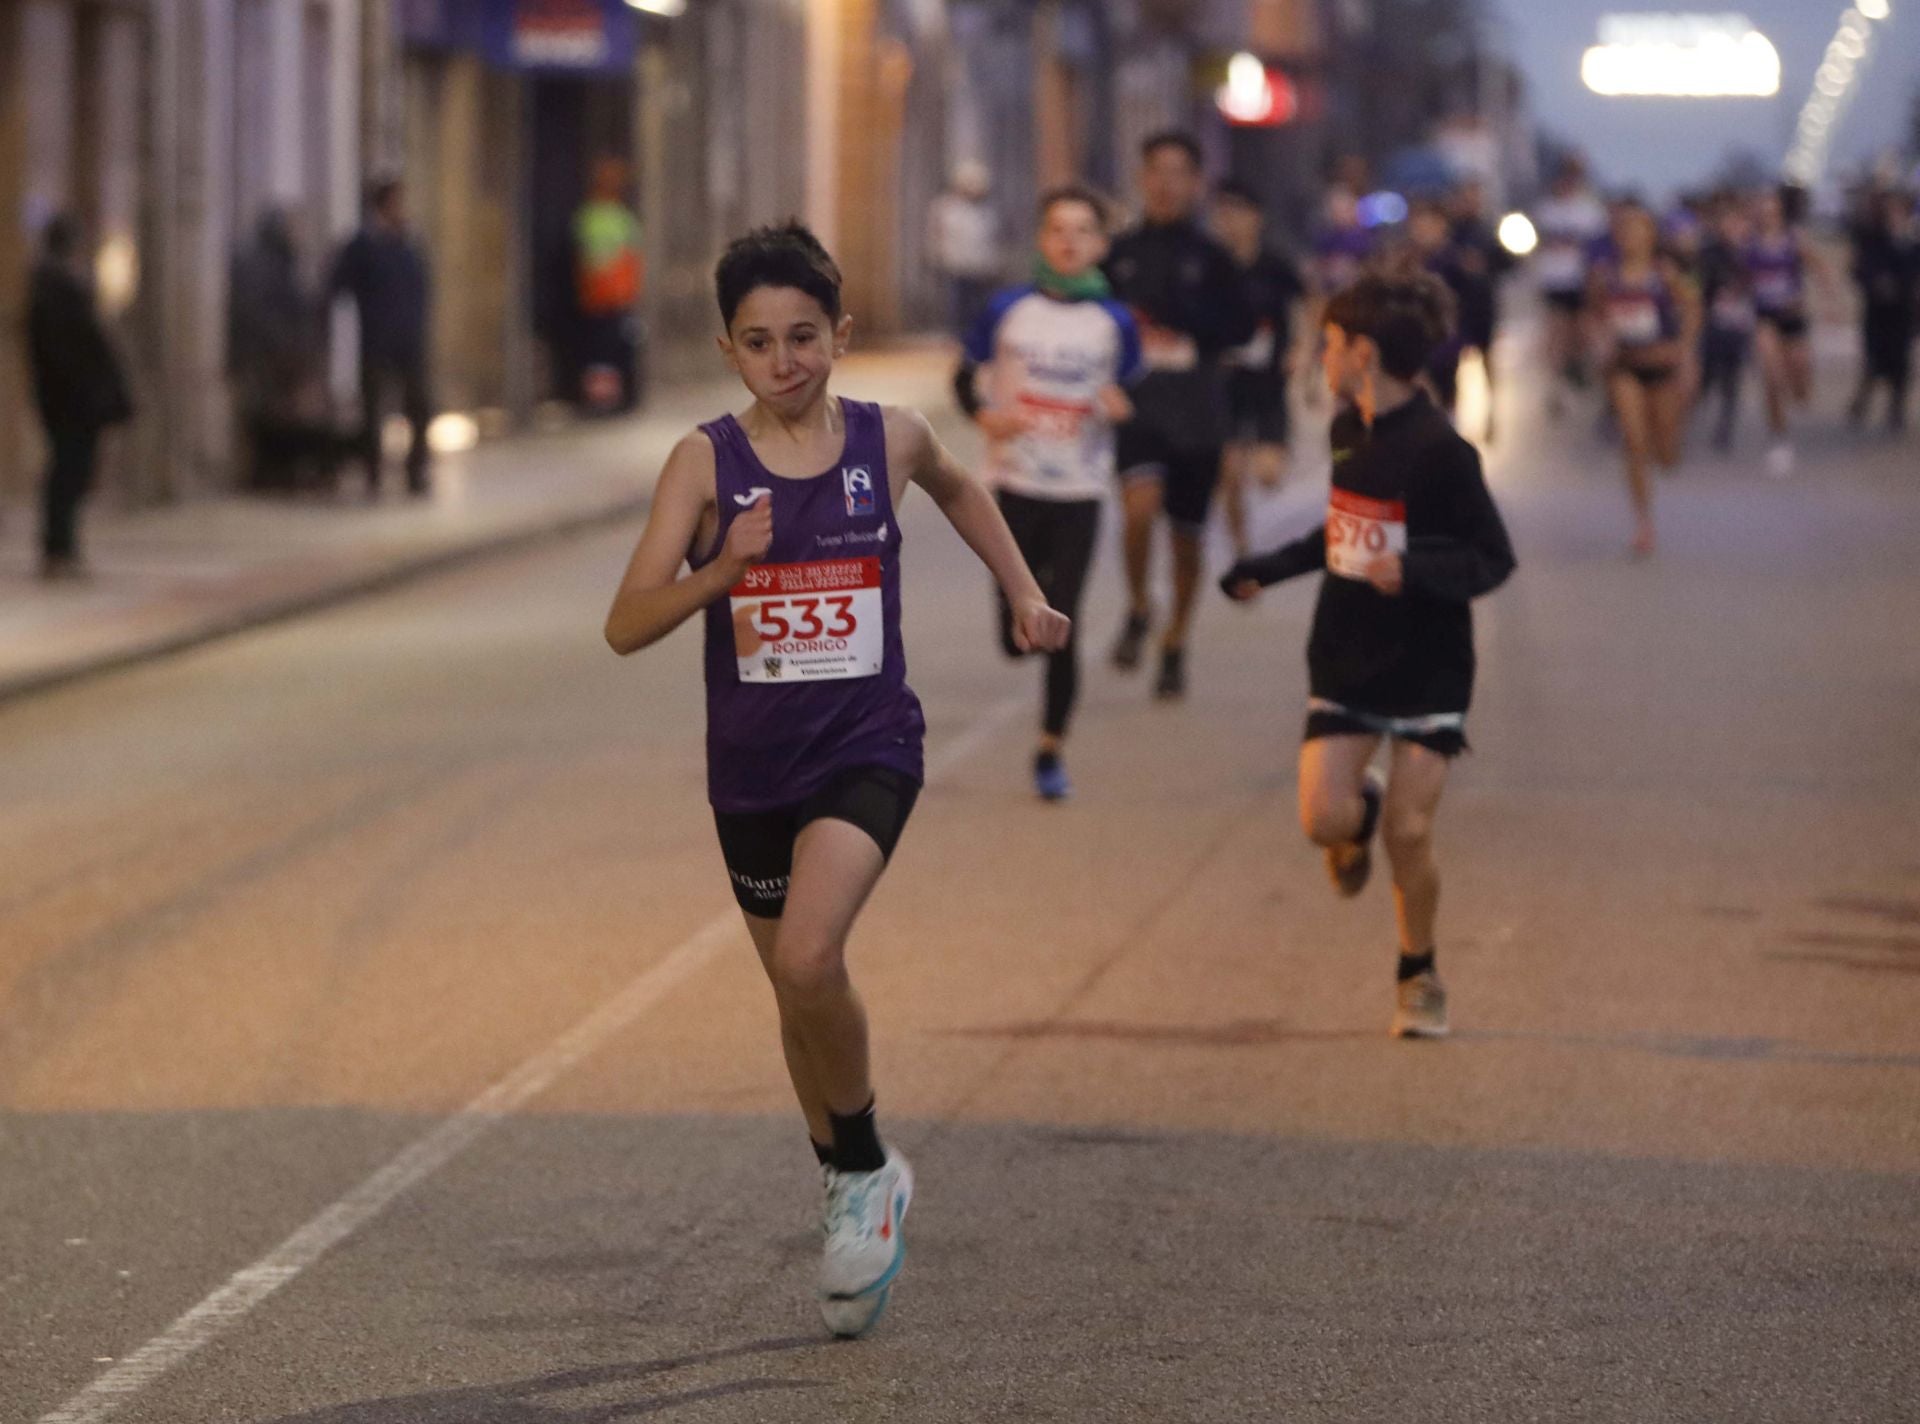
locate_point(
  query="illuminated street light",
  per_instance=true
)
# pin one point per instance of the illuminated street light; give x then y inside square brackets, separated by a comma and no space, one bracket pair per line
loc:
[667,9]
[1681,56]
[1831,85]
[1246,96]
[1517,234]
[1255,96]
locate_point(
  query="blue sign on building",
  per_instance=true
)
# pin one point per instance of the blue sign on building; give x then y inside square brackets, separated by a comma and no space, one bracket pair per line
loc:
[545,36]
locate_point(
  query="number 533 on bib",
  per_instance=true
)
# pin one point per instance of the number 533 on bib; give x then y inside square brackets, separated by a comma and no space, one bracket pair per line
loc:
[809,622]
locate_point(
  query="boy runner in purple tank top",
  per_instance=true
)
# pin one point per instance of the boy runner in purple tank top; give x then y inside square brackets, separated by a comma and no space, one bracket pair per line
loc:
[785,518]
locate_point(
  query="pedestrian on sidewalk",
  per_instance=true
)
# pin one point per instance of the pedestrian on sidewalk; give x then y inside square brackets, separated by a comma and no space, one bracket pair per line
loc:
[276,360]
[963,244]
[78,385]
[608,274]
[383,269]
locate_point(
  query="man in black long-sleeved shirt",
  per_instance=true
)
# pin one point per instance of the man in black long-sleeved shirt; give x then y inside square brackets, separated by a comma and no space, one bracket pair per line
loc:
[1191,305]
[383,269]
[1411,538]
[78,385]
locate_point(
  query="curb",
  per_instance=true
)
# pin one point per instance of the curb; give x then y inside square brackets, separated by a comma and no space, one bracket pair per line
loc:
[347,590]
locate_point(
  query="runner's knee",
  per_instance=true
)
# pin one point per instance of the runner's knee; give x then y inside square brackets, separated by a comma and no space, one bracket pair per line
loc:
[1407,835]
[1323,819]
[807,965]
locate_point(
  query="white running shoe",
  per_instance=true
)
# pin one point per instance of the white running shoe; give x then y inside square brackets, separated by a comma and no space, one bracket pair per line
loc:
[1420,1007]
[1780,460]
[865,1245]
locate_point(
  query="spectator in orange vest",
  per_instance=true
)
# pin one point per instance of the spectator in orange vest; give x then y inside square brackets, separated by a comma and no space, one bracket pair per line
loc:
[608,274]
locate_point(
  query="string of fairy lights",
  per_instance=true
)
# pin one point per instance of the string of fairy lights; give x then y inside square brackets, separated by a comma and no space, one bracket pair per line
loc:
[1833,86]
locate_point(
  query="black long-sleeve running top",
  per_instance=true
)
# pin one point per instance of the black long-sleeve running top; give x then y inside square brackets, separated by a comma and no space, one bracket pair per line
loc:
[1410,485]
[1178,280]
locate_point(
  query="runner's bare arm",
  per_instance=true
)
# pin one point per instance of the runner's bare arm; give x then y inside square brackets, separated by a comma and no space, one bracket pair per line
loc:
[1825,279]
[1686,294]
[652,601]
[914,450]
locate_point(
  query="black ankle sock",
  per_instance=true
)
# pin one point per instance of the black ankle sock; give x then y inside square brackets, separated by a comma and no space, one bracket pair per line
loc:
[1046,761]
[1371,799]
[856,1142]
[1412,966]
[823,1154]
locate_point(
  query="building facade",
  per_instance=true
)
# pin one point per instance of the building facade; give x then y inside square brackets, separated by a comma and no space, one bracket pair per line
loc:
[170,126]
[167,128]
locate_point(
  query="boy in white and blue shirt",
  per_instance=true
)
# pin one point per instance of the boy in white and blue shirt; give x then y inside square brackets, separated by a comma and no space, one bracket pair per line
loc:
[1043,375]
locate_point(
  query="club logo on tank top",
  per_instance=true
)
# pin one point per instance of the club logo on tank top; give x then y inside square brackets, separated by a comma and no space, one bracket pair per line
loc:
[858,483]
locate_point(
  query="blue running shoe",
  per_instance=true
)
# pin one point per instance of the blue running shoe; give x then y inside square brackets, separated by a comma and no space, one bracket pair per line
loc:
[1050,778]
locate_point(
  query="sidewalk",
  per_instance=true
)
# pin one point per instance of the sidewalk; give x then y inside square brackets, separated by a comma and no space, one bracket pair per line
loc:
[168,579]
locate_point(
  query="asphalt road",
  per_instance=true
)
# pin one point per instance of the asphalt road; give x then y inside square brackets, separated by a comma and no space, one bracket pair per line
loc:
[274,913]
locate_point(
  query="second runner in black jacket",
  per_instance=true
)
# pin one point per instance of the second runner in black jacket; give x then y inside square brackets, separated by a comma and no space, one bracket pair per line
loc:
[1409,485]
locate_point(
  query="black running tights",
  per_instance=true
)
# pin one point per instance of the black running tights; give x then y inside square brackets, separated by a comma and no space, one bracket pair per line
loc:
[1056,537]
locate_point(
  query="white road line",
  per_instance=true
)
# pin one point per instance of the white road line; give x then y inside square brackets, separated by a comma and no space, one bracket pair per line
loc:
[247,1288]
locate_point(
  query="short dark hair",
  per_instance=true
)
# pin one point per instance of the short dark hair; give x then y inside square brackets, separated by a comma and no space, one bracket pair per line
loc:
[1406,317]
[1074,193]
[1232,190]
[382,191]
[1172,138]
[60,238]
[783,255]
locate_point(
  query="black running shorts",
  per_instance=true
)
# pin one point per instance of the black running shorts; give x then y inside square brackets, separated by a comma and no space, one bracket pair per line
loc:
[1187,476]
[758,845]
[1448,742]
[1256,408]
[1792,325]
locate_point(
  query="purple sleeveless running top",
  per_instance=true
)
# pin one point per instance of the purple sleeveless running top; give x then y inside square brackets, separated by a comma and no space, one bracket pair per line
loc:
[1774,268]
[801,684]
[1641,313]
[1339,254]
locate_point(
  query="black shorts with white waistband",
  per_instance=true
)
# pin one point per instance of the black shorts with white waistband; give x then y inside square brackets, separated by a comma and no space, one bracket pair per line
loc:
[1256,408]
[758,845]
[1187,476]
[1448,742]
[1792,325]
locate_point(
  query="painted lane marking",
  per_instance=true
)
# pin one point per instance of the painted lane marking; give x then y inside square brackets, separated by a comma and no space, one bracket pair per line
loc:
[249,1287]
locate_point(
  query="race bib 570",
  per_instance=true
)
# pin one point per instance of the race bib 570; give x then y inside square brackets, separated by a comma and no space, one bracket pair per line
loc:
[1360,530]
[809,622]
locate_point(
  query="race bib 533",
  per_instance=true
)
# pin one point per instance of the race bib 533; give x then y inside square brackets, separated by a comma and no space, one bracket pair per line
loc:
[809,622]
[1360,530]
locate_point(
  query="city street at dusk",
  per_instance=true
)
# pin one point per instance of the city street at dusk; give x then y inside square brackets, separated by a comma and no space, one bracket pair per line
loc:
[373,976]
[941,711]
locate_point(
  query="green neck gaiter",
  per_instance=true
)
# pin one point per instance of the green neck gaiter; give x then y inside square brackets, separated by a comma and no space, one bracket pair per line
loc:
[1089,286]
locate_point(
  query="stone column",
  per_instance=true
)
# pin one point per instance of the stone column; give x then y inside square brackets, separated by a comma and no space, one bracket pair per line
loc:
[340,205]
[15,420]
[202,242]
[287,103]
